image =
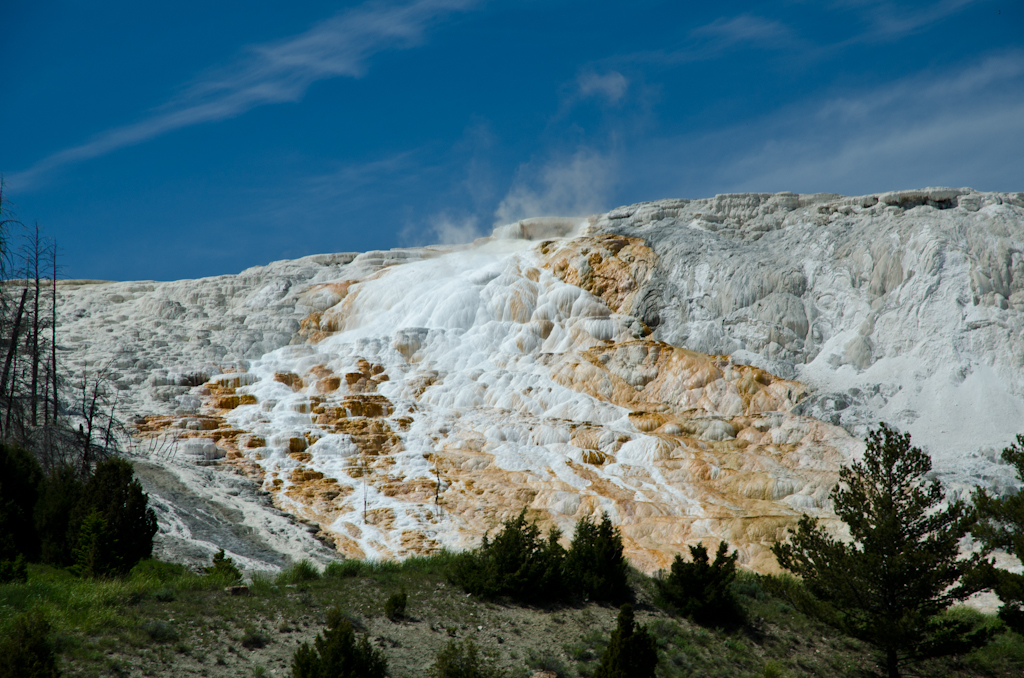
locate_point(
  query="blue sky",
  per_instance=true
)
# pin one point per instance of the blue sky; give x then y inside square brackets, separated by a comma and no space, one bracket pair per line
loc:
[164,141]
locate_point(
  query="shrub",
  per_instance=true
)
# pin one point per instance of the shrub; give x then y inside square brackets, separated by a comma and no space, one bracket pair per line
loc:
[594,567]
[13,570]
[701,589]
[160,631]
[545,661]
[394,607]
[338,654]
[631,651]
[20,477]
[115,496]
[517,564]
[462,660]
[27,651]
[59,494]
[156,570]
[224,568]
[253,638]
[299,572]
[343,569]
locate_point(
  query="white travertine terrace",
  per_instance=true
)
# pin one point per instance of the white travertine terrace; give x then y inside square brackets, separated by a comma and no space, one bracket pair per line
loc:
[693,367]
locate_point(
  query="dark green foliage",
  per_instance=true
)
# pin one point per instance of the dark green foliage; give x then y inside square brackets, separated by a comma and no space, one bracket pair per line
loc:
[394,606]
[20,477]
[59,494]
[158,570]
[1001,526]
[594,567]
[337,654]
[116,496]
[27,651]
[631,652]
[462,660]
[253,638]
[343,569]
[903,568]
[13,570]
[701,589]
[299,572]
[224,568]
[517,564]
[96,549]
[545,661]
[160,631]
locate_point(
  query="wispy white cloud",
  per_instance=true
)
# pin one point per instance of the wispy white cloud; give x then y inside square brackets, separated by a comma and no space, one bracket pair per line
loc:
[612,85]
[960,128]
[274,72]
[888,20]
[714,39]
[574,186]
[743,29]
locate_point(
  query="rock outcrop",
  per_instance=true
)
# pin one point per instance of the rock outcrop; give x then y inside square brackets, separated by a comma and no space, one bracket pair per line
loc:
[696,368]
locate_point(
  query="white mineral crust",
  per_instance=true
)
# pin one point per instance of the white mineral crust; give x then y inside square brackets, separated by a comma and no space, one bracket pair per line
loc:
[699,369]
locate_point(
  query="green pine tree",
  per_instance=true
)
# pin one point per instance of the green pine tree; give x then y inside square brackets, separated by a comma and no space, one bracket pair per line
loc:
[902,567]
[59,494]
[224,568]
[594,566]
[337,654]
[701,590]
[631,652]
[20,477]
[517,564]
[1001,526]
[96,549]
[113,492]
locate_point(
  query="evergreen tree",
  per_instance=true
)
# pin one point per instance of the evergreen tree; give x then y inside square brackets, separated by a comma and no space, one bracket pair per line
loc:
[224,567]
[902,567]
[113,492]
[59,494]
[1001,526]
[594,566]
[701,590]
[631,651]
[517,564]
[96,549]
[20,477]
[337,654]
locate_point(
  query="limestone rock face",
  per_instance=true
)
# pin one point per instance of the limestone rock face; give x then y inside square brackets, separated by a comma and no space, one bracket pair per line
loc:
[694,368]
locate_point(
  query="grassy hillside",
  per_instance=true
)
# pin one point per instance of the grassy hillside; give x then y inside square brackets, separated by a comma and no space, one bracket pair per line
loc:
[162,621]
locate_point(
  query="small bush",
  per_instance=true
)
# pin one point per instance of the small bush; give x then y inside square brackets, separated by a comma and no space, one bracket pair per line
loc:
[13,571]
[160,631]
[298,573]
[545,661]
[701,589]
[27,651]
[631,651]
[253,638]
[517,564]
[394,607]
[338,654]
[224,569]
[343,569]
[462,660]
[164,595]
[156,570]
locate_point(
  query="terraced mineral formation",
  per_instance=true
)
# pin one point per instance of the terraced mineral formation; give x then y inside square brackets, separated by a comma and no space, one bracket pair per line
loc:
[693,368]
